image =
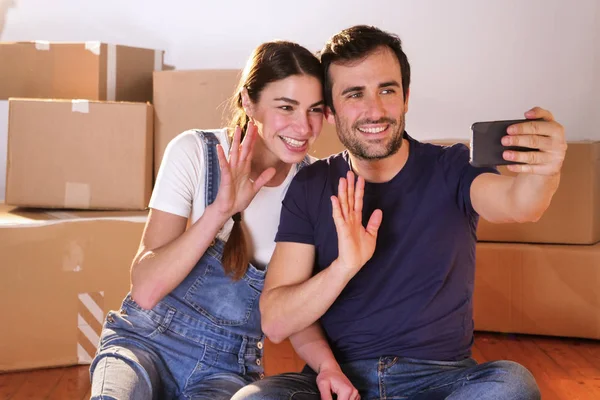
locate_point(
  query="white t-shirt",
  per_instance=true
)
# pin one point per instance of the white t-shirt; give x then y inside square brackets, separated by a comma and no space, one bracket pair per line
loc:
[179,190]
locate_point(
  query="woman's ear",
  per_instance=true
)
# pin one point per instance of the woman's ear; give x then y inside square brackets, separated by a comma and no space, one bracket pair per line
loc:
[247,103]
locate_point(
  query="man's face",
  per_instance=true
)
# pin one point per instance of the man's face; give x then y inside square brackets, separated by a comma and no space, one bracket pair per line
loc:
[369,104]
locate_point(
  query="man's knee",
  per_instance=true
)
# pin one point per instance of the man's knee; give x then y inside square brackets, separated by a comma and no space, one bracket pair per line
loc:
[249,392]
[281,387]
[519,382]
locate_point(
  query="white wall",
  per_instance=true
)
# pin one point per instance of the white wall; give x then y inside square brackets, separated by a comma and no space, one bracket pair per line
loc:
[472,60]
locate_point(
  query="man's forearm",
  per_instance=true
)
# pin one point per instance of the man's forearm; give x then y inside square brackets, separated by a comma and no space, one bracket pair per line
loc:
[531,195]
[312,346]
[286,310]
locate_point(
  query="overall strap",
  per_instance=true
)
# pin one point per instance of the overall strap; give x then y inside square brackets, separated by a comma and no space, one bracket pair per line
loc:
[305,162]
[211,161]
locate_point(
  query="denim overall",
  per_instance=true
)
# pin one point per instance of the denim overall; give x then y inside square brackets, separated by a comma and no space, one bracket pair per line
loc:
[202,341]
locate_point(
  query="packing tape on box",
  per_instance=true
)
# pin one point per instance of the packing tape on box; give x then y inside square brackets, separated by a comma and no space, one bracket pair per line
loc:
[77,195]
[81,106]
[28,223]
[111,72]
[43,45]
[94,47]
[158,60]
[73,257]
[90,317]
[62,215]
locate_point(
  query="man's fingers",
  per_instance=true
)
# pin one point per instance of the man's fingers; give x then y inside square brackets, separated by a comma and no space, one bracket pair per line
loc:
[531,141]
[350,181]
[338,218]
[549,128]
[325,389]
[528,157]
[358,198]
[529,128]
[343,197]
[374,222]
[539,112]
[345,393]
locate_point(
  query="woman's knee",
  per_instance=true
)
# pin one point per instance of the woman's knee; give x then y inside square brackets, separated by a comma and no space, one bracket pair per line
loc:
[123,373]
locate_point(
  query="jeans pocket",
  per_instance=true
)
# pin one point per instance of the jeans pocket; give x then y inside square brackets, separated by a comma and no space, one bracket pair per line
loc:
[222,300]
[133,319]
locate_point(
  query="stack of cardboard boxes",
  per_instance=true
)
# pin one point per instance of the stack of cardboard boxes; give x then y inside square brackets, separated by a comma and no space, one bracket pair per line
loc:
[543,277]
[76,139]
[83,136]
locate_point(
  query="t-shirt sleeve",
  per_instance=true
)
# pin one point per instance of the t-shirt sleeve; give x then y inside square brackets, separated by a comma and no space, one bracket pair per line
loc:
[179,175]
[295,223]
[459,174]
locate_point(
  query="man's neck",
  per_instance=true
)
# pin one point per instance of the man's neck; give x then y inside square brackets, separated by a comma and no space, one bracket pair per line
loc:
[382,170]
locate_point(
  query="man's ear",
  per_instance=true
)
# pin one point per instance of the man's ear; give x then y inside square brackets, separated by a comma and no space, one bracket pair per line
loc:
[406,100]
[247,103]
[329,116]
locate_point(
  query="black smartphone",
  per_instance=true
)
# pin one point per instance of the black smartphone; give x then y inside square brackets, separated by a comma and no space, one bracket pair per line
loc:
[486,143]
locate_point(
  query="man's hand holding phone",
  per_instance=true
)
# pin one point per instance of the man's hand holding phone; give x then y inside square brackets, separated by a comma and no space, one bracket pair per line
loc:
[536,145]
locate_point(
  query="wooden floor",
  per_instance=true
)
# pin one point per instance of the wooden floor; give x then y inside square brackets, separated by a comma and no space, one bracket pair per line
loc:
[563,368]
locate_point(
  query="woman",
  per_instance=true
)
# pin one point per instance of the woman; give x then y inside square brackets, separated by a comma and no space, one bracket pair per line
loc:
[190,327]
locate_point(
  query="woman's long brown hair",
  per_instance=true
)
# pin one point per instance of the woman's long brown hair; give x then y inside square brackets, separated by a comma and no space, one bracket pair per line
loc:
[269,62]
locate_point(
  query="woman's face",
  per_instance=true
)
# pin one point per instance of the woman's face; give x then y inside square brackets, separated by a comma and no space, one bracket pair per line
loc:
[289,116]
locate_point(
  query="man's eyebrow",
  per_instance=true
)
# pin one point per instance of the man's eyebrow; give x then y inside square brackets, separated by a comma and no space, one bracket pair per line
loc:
[353,89]
[389,83]
[359,88]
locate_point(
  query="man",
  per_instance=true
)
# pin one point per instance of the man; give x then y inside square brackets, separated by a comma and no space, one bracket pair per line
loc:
[385,311]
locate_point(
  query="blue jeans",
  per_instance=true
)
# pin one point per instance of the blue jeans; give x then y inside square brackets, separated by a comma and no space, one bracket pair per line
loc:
[164,353]
[201,341]
[404,378]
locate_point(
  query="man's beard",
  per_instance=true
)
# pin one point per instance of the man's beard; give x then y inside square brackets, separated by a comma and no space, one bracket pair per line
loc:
[350,138]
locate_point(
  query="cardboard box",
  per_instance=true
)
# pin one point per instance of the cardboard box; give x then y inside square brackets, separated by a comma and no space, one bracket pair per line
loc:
[60,274]
[538,289]
[328,142]
[3,146]
[90,70]
[197,99]
[573,216]
[79,154]
[200,99]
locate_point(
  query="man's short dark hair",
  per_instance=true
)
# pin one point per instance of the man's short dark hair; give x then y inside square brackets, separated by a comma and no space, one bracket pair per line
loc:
[356,43]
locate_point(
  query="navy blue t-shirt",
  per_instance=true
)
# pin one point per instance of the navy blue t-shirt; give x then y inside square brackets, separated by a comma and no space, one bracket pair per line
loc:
[413,298]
